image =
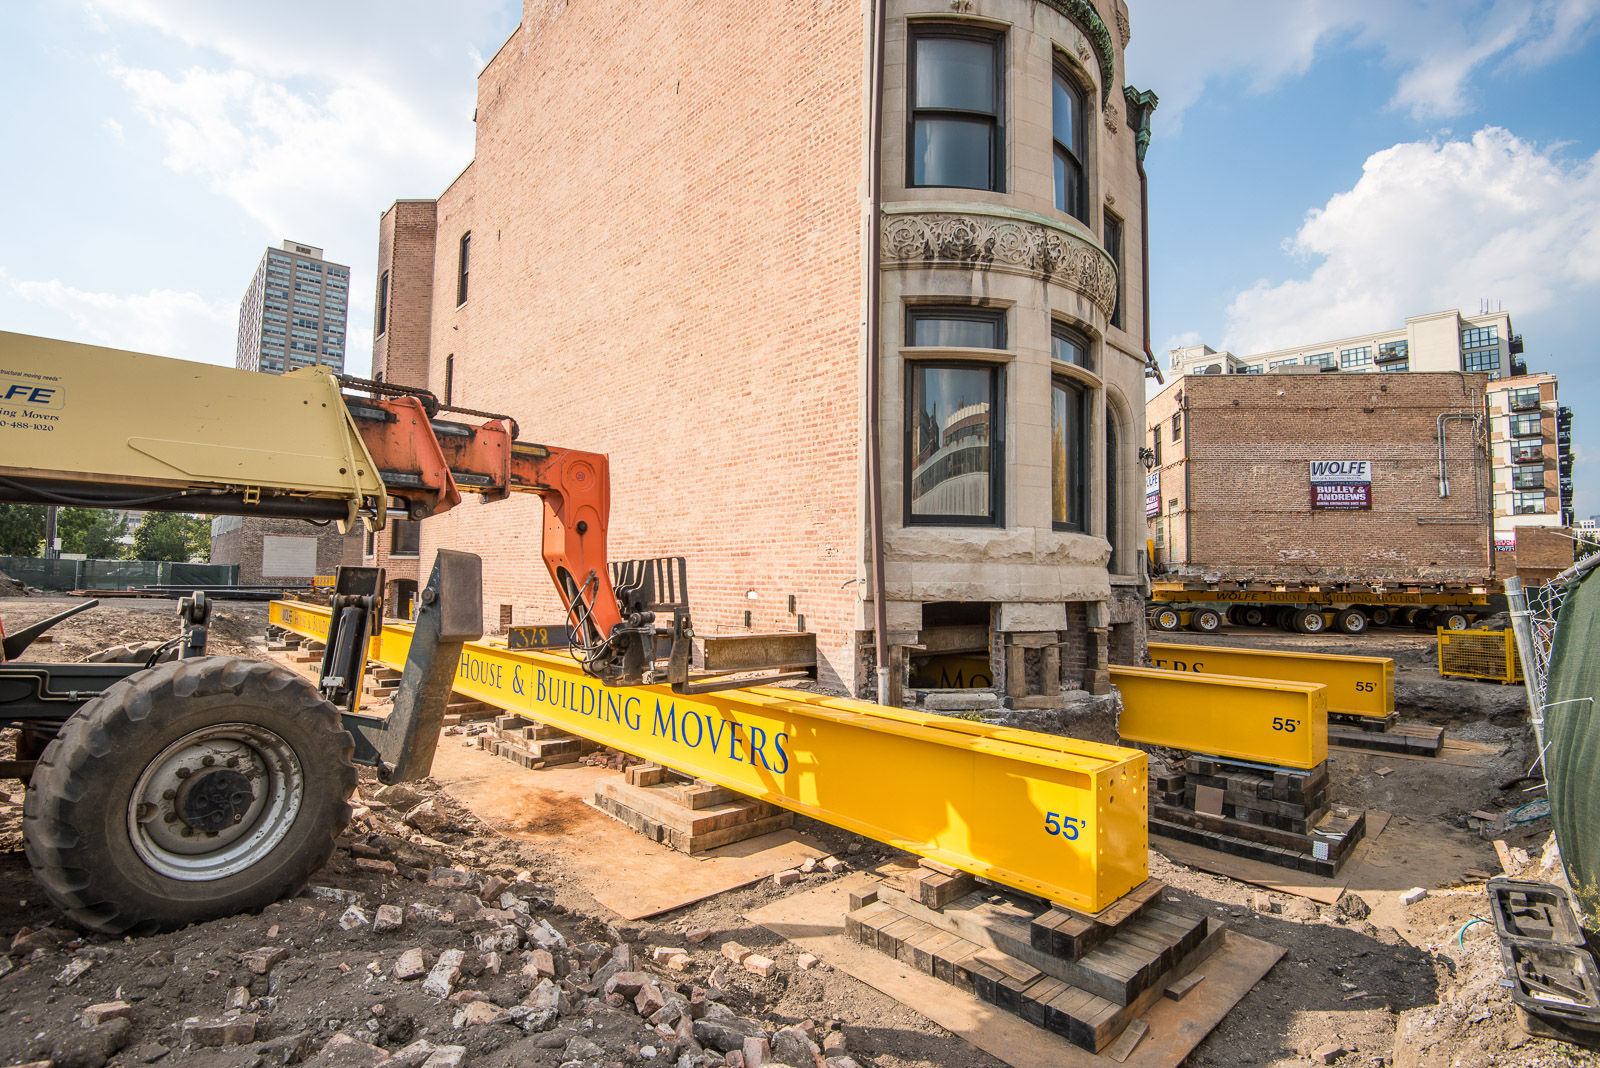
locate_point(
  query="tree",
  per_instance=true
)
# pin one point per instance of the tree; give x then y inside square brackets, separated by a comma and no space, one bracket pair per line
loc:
[162,536]
[199,538]
[21,529]
[91,531]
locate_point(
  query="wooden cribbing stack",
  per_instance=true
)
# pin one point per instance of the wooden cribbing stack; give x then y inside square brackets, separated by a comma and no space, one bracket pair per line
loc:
[1280,816]
[689,815]
[1083,977]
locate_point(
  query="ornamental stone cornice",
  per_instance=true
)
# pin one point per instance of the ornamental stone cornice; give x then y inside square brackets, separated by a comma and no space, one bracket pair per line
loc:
[1010,241]
[1088,19]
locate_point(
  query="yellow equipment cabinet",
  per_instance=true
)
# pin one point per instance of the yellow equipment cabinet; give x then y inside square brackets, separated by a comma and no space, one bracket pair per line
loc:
[1284,724]
[1357,685]
[1057,817]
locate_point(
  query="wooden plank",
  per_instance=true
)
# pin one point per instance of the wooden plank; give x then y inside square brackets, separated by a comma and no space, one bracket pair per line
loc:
[1270,876]
[1123,1046]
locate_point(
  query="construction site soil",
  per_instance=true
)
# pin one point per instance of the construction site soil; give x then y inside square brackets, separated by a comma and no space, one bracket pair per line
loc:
[314,978]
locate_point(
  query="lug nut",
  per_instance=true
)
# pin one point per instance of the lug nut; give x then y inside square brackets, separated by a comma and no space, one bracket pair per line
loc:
[184,773]
[208,760]
[233,762]
[168,795]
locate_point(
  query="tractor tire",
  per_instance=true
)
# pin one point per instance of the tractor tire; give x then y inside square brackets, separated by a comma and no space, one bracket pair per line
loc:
[127,838]
[1251,616]
[1454,620]
[1205,621]
[132,654]
[1380,617]
[1309,621]
[1166,619]
[1351,621]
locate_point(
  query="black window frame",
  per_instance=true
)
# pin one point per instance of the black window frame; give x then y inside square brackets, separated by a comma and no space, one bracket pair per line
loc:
[1063,73]
[968,313]
[1085,395]
[1177,427]
[405,531]
[383,304]
[997,144]
[1113,224]
[1060,331]
[997,442]
[463,263]
[449,379]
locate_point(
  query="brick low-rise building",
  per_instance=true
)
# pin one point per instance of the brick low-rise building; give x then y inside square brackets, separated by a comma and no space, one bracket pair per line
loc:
[280,550]
[1233,488]
[827,318]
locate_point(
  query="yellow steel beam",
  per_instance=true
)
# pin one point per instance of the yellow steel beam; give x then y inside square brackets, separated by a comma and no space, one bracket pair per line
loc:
[1178,592]
[1264,722]
[1357,685]
[1057,817]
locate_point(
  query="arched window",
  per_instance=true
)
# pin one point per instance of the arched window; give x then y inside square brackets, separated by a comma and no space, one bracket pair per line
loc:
[1067,123]
[463,266]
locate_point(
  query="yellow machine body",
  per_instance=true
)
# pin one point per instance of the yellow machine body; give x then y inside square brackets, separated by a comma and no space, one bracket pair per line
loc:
[1256,720]
[1172,591]
[1357,685]
[1057,817]
[65,410]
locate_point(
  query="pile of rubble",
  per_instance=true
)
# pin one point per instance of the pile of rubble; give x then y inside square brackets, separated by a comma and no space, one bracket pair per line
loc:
[410,953]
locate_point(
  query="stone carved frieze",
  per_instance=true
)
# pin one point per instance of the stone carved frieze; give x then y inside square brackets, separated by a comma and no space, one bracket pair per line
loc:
[1111,115]
[981,242]
[1124,31]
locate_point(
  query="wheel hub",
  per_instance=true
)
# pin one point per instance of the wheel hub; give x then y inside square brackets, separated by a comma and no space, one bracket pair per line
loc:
[214,799]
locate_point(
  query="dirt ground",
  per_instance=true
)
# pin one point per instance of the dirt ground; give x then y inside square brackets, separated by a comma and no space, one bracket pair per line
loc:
[1391,984]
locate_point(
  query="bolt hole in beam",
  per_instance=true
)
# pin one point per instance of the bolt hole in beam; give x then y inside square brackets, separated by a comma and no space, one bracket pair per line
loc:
[1059,818]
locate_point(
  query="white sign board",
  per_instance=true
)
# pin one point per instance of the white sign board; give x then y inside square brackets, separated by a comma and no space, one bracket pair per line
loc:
[1152,494]
[288,556]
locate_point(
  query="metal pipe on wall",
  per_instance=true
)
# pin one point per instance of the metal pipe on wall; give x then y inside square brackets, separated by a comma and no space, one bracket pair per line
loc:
[880,608]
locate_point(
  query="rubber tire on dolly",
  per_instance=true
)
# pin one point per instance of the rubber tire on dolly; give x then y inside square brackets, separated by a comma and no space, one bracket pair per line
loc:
[1251,616]
[1454,620]
[1405,617]
[1205,621]
[77,814]
[1381,617]
[1285,618]
[1166,619]
[1350,621]
[1309,621]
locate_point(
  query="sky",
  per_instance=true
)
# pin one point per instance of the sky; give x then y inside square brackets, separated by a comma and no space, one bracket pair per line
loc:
[1320,168]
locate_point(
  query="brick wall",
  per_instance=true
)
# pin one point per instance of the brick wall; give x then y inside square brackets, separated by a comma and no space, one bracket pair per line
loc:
[1249,440]
[242,546]
[667,225]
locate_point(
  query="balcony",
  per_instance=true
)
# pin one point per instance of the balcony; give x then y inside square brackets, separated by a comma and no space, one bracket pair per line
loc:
[1532,428]
[1528,482]
[1522,402]
[1525,454]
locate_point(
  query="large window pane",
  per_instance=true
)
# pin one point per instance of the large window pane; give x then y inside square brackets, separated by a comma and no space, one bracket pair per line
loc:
[943,329]
[1069,348]
[1069,185]
[952,443]
[1069,418]
[1066,116]
[955,152]
[955,74]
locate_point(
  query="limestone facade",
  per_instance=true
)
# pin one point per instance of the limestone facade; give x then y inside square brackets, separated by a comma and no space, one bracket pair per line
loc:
[669,222]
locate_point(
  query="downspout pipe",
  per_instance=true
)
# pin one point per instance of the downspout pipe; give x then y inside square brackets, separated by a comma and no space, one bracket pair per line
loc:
[880,607]
[1140,106]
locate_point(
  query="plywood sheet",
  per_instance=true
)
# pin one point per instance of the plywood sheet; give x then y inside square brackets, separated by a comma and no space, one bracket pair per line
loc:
[814,920]
[626,872]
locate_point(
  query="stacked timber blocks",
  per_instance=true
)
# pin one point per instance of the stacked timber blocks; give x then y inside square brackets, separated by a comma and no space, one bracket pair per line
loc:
[689,815]
[533,744]
[1386,736]
[1083,977]
[1280,816]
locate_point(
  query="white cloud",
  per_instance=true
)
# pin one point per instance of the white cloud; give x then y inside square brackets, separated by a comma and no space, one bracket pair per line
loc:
[1179,46]
[1431,226]
[162,321]
[311,117]
[114,128]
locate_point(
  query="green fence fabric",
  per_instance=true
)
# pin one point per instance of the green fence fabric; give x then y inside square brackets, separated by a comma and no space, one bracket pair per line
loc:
[58,575]
[1572,741]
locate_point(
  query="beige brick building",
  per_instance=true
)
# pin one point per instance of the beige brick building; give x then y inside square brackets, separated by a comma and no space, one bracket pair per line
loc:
[836,299]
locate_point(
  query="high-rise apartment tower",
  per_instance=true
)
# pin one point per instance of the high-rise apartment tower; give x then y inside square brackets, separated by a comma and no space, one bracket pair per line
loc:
[293,315]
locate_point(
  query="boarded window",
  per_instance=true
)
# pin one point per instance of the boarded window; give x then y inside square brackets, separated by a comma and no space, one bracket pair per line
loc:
[288,556]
